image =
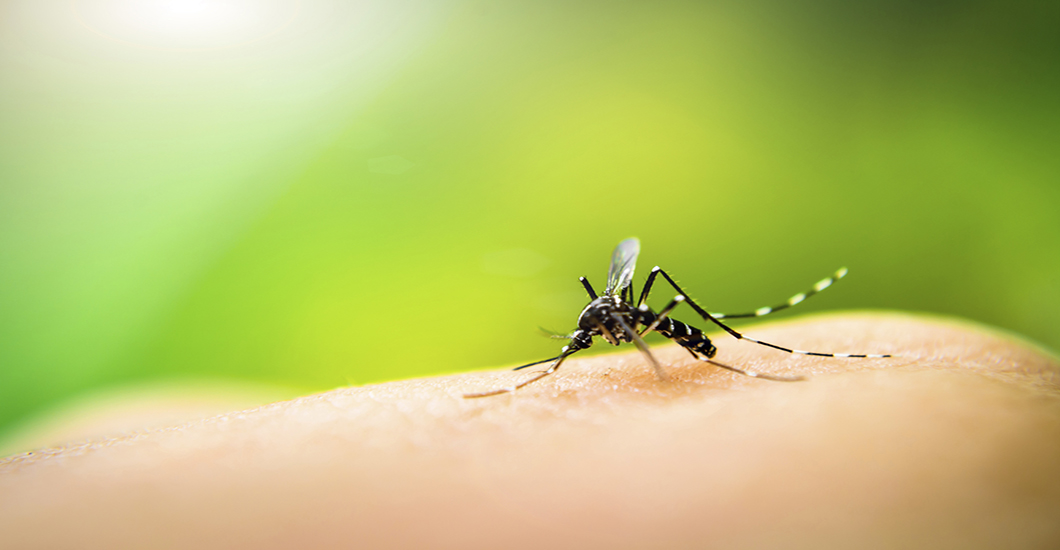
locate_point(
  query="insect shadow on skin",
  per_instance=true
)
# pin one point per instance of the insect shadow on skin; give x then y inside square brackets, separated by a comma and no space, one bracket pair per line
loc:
[613,317]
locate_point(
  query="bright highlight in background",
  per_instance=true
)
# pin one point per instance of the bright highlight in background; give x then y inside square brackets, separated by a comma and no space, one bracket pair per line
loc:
[186,24]
[141,139]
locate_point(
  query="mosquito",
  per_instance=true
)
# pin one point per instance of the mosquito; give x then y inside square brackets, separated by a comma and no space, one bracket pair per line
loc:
[614,318]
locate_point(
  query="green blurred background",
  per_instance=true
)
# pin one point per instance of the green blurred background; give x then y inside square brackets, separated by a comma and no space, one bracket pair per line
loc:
[319,193]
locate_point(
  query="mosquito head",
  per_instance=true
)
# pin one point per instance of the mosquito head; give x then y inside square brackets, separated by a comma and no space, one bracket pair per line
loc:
[580,339]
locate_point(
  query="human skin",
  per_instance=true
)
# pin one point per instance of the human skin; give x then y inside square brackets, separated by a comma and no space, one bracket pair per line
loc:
[953,444]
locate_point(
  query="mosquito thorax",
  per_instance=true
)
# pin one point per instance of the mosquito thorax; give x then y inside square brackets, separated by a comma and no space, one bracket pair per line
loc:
[601,312]
[600,308]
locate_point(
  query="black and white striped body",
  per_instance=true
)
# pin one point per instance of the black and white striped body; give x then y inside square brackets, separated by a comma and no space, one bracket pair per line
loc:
[688,336]
[599,318]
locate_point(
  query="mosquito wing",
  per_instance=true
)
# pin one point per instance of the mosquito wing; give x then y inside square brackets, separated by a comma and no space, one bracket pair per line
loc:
[623,262]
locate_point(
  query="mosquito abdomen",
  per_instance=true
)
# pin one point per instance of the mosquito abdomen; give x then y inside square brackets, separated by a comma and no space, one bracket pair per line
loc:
[688,336]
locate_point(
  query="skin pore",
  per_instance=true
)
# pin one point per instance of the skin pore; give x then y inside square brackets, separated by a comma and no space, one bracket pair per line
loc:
[953,443]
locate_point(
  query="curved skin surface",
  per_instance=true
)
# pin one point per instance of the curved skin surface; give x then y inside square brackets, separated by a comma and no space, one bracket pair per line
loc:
[954,444]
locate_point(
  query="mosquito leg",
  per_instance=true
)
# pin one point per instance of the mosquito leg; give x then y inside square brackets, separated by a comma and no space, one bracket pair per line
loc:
[703,313]
[639,342]
[521,367]
[753,374]
[604,332]
[551,369]
[794,300]
[661,316]
[588,287]
[697,343]
[647,285]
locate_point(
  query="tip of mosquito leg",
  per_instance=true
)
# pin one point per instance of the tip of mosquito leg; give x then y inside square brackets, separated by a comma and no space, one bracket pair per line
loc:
[487,393]
[660,373]
[781,378]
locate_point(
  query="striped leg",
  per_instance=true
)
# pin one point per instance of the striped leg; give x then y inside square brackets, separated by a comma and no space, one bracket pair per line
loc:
[703,313]
[697,343]
[794,300]
[756,374]
[662,315]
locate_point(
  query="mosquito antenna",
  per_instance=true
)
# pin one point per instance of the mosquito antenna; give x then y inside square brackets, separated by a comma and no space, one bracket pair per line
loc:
[554,334]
